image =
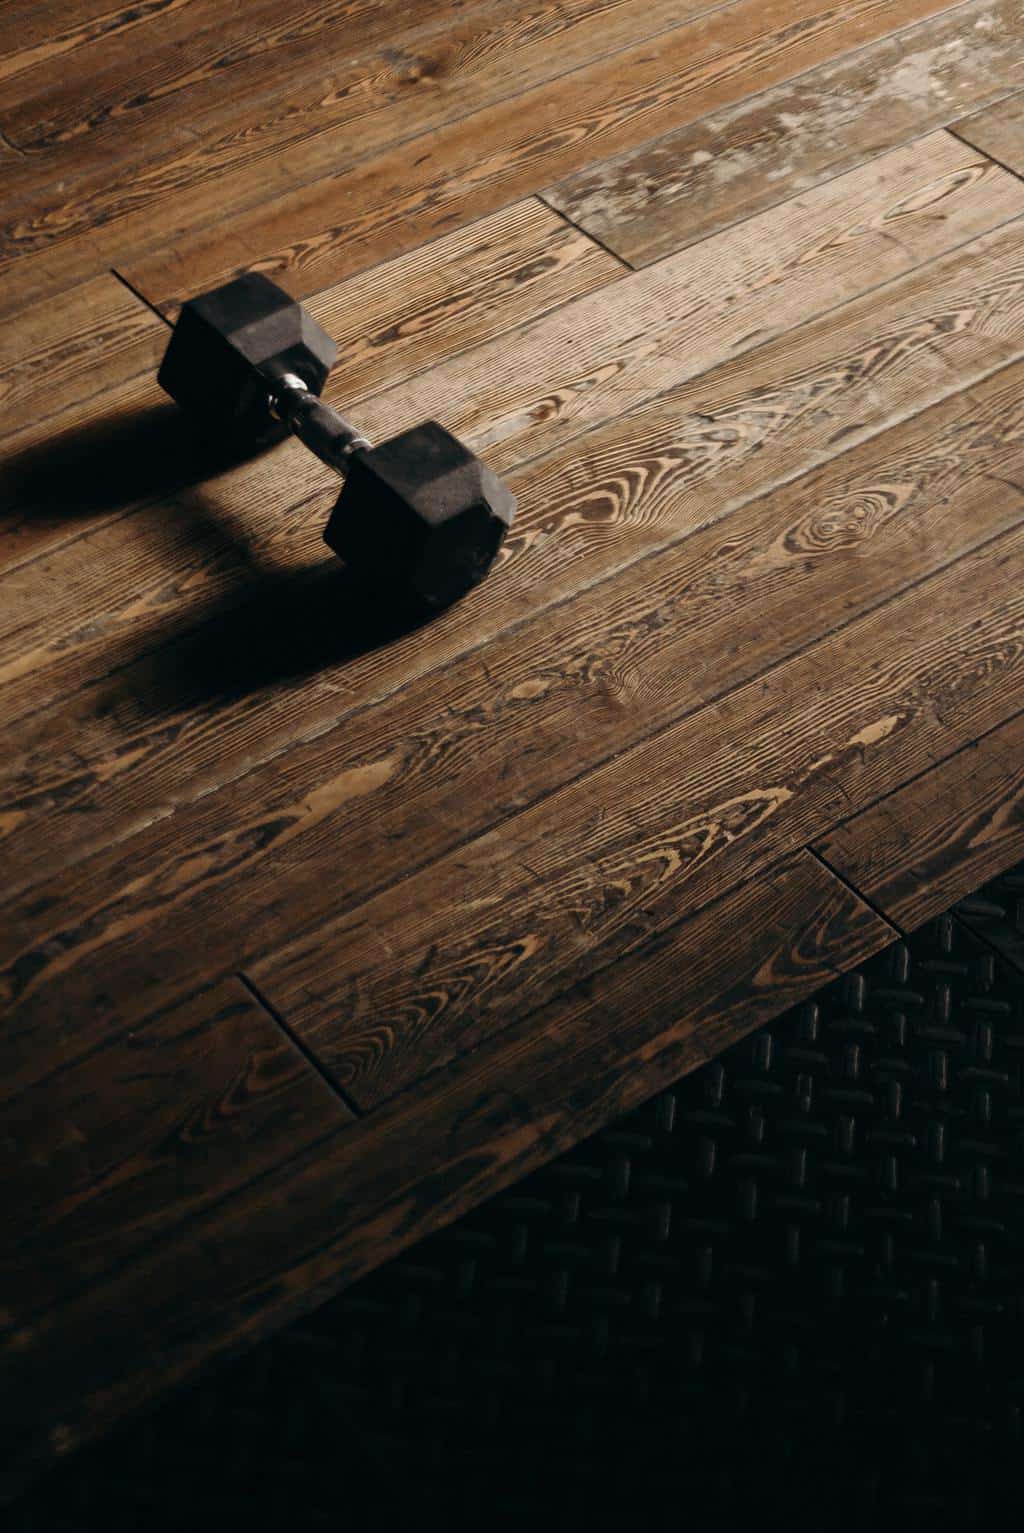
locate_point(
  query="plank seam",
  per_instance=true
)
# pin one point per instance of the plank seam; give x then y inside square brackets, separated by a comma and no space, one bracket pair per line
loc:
[119,277]
[570,596]
[652,399]
[146,251]
[898,931]
[933,766]
[274,94]
[791,80]
[293,1038]
[587,234]
[954,132]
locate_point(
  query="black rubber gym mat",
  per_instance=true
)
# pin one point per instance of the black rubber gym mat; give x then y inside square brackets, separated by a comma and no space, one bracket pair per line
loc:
[791,1287]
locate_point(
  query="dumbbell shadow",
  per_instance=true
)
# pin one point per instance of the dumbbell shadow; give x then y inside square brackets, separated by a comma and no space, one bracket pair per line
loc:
[113,463]
[272,626]
[282,627]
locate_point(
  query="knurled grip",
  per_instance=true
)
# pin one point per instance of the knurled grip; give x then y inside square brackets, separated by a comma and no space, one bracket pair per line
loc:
[326,433]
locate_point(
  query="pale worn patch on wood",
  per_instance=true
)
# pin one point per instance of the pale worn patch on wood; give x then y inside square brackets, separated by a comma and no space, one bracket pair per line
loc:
[388,203]
[676,190]
[195,162]
[603,354]
[586,362]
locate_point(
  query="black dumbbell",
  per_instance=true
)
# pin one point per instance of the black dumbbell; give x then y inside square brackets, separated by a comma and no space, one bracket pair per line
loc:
[420,512]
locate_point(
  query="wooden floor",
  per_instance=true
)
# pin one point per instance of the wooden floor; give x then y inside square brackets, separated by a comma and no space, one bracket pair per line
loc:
[316,930]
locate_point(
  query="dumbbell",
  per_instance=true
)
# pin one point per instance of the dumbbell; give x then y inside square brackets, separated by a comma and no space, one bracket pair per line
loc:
[419,513]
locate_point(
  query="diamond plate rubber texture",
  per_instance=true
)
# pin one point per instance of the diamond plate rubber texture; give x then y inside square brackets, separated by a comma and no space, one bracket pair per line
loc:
[791,1287]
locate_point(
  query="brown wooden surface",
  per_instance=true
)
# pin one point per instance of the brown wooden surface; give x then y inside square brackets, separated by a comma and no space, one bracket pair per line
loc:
[999,131]
[318,928]
[729,165]
[920,849]
[332,1213]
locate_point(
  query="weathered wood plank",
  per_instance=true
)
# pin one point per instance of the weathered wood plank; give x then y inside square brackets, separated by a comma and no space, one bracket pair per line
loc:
[373,102]
[712,173]
[390,202]
[114,1151]
[446,958]
[340,1209]
[713,752]
[206,694]
[123,446]
[920,849]
[70,349]
[605,353]
[998,132]
[585,362]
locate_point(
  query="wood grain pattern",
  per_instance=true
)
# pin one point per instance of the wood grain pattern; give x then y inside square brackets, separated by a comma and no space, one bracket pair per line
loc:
[585,362]
[301,1234]
[446,958]
[35,33]
[715,750]
[998,132]
[372,103]
[455,293]
[201,696]
[390,202]
[920,849]
[704,177]
[110,1153]
[114,446]
[176,54]
[71,349]
[505,874]
[604,354]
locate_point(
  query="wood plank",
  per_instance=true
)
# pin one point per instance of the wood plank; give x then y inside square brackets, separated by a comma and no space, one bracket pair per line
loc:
[72,84]
[998,132]
[34,33]
[392,201]
[452,294]
[200,698]
[389,800]
[127,446]
[70,349]
[373,102]
[116,1150]
[446,958]
[257,72]
[919,850]
[712,173]
[335,1212]
[585,362]
[605,353]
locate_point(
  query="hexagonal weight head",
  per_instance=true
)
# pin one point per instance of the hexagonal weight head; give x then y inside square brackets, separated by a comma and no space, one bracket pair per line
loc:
[228,342]
[422,512]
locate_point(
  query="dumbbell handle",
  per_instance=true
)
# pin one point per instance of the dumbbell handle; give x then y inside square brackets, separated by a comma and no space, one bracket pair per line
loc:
[326,433]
